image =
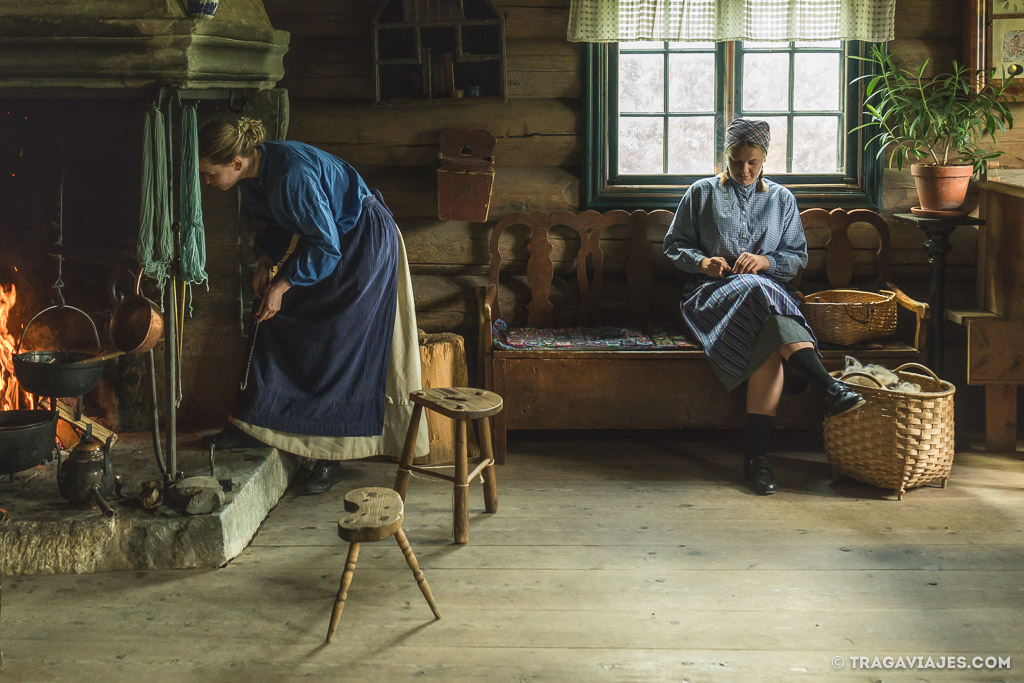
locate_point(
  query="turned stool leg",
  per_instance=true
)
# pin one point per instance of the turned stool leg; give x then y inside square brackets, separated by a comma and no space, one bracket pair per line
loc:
[403,543]
[490,480]
[346,581]
[461,509]
[408,452]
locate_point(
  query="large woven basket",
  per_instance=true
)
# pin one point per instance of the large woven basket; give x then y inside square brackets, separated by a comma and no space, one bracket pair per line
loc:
[897,440]
[850,316]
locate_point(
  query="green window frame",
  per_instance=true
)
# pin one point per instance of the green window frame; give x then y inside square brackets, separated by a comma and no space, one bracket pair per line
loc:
[858,185]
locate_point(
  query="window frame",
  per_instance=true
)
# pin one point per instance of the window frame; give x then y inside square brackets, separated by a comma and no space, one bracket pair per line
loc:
[862,186]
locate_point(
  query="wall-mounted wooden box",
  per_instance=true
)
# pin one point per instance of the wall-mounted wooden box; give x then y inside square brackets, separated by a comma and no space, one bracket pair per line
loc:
[466,175]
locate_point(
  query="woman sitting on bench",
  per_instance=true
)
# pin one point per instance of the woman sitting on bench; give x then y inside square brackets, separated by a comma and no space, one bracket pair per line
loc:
[741,237]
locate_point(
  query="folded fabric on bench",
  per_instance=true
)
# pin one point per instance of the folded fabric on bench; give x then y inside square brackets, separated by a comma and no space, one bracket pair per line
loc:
[589,338]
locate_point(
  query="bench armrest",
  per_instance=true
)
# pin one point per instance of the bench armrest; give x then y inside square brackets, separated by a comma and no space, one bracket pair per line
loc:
[919,308]
[920,311]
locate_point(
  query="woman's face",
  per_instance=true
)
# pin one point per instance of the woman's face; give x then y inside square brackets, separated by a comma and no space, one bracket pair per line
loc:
[745,163]
[221,176]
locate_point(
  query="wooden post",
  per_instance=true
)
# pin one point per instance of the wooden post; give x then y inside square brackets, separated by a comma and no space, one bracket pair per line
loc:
[443,364]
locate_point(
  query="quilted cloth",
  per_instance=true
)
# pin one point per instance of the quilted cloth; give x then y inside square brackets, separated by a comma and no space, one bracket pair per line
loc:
[589,338]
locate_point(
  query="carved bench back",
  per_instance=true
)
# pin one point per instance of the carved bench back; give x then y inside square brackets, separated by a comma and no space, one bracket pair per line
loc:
[840,260]
[827,231]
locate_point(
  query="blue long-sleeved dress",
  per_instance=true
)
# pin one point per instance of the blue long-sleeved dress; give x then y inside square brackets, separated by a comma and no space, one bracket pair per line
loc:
[725,315]
[319,366]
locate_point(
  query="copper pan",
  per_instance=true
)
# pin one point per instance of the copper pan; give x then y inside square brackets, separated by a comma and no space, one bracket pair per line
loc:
[137,324]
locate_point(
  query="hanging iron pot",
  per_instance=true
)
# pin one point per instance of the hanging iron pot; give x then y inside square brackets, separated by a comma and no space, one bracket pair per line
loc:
[57,373]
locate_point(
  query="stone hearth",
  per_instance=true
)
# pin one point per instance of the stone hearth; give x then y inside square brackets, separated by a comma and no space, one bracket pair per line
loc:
[46,536]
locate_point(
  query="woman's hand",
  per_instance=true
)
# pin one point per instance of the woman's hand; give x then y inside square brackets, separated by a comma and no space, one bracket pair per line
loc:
[261,276]
[750,263]
[270,304]
[715,266]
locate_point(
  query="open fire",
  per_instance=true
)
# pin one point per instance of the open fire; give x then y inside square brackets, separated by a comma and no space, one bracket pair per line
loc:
[12,397]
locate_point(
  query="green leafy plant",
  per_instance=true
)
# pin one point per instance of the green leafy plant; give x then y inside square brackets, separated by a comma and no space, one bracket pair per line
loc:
[944,118]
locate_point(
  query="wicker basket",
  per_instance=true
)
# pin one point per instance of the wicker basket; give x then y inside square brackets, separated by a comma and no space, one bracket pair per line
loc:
[897,440]
[850,316]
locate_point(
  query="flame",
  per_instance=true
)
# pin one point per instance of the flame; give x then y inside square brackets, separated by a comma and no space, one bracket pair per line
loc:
[12,397]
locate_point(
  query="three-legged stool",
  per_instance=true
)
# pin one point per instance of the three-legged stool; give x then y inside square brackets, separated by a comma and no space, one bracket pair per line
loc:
[378,514]
[462,404]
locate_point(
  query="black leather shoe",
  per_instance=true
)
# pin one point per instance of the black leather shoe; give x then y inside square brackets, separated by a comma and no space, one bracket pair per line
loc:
[759,477]
[325,474]
[231,437]
[840,399]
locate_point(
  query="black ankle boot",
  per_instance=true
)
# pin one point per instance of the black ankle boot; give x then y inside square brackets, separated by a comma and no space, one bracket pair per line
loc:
[760,478]
[325,474]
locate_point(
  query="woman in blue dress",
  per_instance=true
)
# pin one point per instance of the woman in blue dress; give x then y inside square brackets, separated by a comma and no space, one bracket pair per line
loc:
[740,237]
[325,320]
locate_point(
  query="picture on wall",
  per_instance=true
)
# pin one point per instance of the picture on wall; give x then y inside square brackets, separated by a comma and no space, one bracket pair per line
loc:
[994,39]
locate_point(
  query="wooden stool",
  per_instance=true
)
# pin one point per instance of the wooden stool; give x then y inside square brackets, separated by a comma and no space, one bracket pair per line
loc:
[378,515]
[461,404]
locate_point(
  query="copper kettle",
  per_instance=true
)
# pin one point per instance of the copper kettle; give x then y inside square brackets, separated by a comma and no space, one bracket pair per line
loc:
[86,478]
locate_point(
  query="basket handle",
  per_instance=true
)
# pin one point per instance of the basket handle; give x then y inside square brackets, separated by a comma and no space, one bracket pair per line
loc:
[868,312]
[928,371]
[857,373]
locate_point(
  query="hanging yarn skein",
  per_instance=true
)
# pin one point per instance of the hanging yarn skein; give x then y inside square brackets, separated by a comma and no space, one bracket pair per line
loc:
[156,241]
[193,238]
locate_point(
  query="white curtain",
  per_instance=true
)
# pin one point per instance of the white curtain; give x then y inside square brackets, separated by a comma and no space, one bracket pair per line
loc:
[610,21]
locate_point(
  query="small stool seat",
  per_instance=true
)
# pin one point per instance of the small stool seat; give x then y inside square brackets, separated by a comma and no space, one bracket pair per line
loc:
[377,514]
[462,404]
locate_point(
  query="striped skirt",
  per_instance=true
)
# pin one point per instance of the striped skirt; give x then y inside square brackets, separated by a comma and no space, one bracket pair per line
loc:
[726,316]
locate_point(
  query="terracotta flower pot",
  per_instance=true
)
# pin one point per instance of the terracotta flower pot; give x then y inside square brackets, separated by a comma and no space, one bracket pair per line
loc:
[941,188]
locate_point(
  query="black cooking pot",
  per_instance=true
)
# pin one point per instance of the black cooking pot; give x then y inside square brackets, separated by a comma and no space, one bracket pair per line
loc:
[27,438]
[55,373]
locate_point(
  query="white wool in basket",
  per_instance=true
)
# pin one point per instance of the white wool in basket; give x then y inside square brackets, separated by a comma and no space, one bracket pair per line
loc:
[889,379]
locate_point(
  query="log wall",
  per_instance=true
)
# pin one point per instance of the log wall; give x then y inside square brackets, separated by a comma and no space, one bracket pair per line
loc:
[329,75]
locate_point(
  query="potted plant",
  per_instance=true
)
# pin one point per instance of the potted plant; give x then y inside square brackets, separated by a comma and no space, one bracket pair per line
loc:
[939,122]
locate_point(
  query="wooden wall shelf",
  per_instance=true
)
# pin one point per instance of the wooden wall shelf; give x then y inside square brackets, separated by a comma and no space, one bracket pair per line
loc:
[427,50]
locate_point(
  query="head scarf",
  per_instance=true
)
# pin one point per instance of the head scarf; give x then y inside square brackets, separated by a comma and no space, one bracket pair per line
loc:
[748,130]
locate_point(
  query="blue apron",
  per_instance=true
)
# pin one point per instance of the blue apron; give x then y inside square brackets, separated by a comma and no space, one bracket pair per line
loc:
[319,366]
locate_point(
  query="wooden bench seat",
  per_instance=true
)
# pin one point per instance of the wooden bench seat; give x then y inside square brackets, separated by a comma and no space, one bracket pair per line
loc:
[593,269]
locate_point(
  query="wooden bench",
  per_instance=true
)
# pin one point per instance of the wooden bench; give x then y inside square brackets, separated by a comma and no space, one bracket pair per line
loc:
[586,270]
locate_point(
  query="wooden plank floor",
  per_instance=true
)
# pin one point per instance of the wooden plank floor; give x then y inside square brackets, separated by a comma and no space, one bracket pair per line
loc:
[614,556]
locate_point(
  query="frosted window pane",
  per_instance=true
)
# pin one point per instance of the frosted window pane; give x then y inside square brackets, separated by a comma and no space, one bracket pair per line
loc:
[816,81]
[641,145]
[641,83]
[691,82]
[776,161]
[766,82]
[814,144]
[691,145]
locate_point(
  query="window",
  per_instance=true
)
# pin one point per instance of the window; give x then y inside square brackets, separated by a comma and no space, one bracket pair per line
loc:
[657,112]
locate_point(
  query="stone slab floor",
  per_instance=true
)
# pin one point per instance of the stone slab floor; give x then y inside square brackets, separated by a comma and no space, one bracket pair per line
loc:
[614,556]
